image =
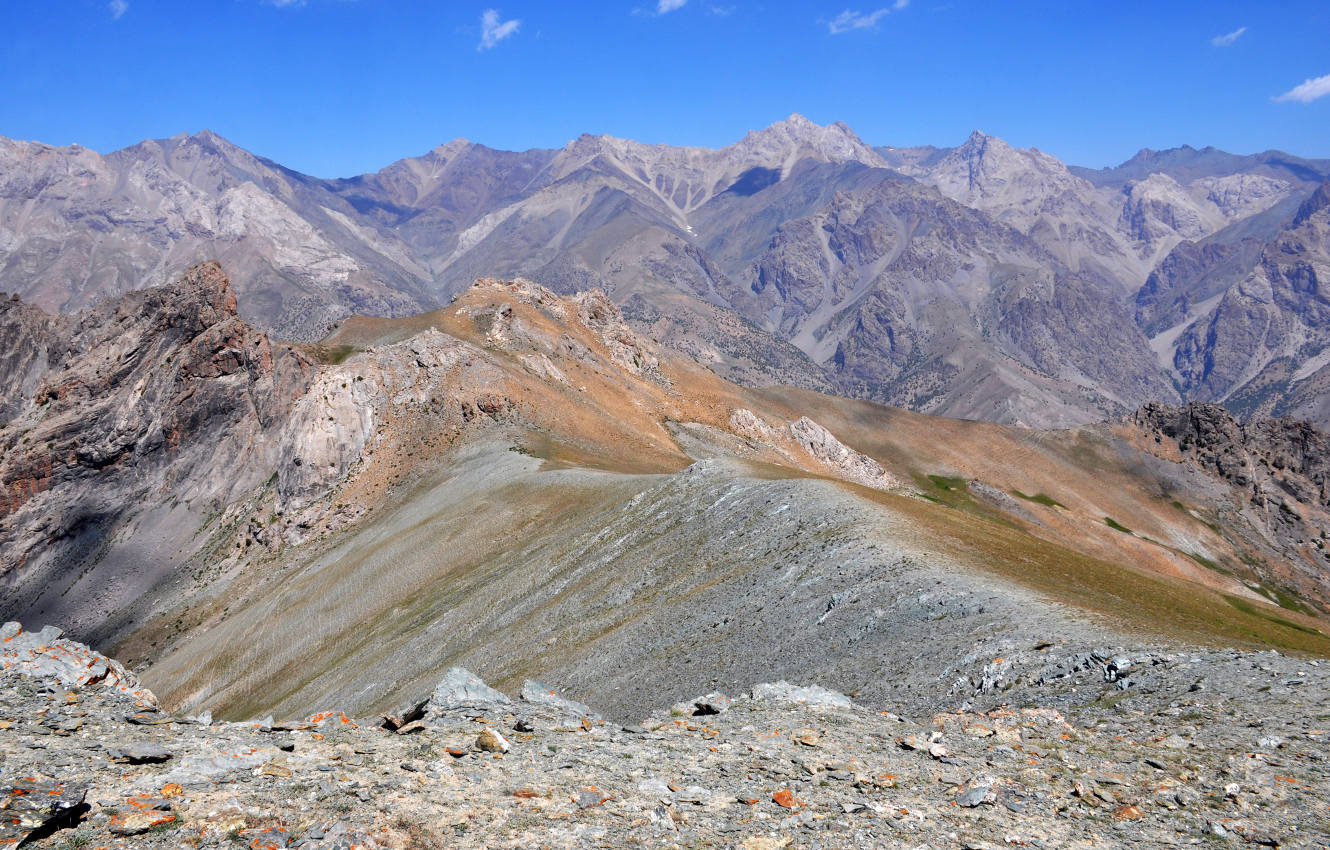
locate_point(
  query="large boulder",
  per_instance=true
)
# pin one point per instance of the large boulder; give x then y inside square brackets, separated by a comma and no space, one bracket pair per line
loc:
[460,688]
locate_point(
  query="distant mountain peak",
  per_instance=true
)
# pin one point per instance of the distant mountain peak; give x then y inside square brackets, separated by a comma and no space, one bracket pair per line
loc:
[797,120]
[451,148]
[835,142]
[779,145]
[980,144]
[212,139]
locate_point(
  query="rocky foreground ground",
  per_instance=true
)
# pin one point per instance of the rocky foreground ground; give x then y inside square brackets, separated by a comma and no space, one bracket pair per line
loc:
[1146,749]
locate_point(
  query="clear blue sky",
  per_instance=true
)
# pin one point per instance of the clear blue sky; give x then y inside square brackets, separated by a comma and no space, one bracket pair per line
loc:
[339,87]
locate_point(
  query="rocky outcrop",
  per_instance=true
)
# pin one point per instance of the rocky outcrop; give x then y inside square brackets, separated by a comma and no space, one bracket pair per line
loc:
[1131,746]
[828,454]
[160,401]
[842,460]
[45,654]
[599,313]
[1262,458]
[1281,469]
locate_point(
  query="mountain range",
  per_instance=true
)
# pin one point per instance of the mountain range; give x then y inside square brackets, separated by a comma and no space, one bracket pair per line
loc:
[647,426]
[980,281]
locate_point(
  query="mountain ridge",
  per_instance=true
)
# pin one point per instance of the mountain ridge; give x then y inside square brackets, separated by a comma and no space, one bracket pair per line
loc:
[219,483]
[655,226]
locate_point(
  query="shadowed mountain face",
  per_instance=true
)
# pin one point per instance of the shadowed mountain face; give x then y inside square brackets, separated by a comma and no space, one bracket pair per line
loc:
[128,424]
[522,483]
[978,281]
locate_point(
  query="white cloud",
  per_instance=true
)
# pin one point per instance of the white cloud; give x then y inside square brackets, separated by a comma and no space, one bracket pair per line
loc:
[848,20]
[1308,91]
[664,6]
[493,30]
[118,8]
[1226,40]
[900,4]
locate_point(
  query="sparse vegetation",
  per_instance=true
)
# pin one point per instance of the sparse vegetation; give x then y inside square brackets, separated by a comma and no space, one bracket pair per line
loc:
[1039,499]
[942,482]
[1207,563]
[1283,599]
[944,490]
[331,355]
[1170,608]
[1117,526]
[1248,607]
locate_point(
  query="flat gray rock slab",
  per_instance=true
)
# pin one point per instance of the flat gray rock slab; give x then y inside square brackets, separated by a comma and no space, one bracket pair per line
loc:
[539,693]
[783,691]
[460,687]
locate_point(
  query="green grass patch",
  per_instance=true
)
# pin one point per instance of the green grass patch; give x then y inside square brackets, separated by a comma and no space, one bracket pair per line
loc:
[954,492]
[1207,563]
[1039,499]
[1117,526]
[942,490]
[1283,599]
[1247,607]
[331,355]
[951,485]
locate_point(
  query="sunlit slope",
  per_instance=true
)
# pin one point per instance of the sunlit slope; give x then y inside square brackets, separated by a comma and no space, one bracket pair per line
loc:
[614,517]
[634,586]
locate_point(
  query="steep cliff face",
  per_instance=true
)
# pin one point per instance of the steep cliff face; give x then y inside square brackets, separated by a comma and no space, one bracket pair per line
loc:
[912,299]
[31,344]
[1267,334]
[1280,470]
[156,410]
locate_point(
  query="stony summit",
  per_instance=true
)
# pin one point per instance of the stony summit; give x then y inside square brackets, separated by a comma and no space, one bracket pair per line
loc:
[779,766]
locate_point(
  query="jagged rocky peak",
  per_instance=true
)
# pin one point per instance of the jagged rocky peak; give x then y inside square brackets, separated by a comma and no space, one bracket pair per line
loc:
[203,295]
[994,156]
[163,390]
[1320,200]
[835,142]
[987,172]
[689,176]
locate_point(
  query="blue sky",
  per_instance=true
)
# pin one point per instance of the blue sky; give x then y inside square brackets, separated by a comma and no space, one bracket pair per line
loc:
[339,87]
